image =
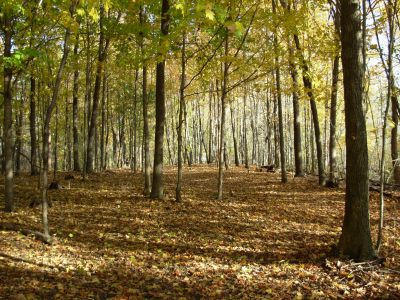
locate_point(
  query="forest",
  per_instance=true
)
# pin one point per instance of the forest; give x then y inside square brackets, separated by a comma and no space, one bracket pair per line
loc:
[199,149]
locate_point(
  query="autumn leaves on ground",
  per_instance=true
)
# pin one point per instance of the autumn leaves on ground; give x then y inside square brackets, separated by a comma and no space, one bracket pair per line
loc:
[264,240]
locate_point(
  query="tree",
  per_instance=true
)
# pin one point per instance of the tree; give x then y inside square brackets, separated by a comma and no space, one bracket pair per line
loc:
[180,120]
[75,103]
[7,28]
[355,240]
[334,92]
[157,189]
[32,126]
[279,99]
[46,128]
[103,45]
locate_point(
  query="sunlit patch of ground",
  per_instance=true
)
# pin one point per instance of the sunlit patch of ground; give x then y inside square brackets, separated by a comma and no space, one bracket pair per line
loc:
[264,240]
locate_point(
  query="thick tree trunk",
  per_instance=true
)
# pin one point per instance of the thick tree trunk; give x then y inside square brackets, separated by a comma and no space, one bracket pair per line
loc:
[32,127]
[391,9]
[298,156]
[7,120]
[355,240]
[157,189]
[393,138]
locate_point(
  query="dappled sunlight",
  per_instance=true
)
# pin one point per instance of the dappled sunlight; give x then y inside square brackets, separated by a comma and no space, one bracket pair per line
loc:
[258,242]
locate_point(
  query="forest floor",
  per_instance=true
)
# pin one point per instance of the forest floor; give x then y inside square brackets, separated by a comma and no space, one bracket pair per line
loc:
[264,240]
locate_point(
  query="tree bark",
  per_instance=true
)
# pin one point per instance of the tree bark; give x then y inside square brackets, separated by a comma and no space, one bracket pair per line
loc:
[332,126]
[235,146]
[279,98]
[135,117]
[7,120]
[157,189]
[224,93]
[32,127]
[246,148]
[210,125]
[55,149]
[391,14]
[96,95]
[103,123]
[298,156]
[333,108]
[146,133]
[75,107]
[180,121]
[355,240]
[18,141]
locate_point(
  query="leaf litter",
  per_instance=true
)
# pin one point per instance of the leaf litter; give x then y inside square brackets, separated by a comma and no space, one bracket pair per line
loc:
[264,240]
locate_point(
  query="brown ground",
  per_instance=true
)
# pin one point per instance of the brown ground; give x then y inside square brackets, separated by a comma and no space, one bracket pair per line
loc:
[265,240]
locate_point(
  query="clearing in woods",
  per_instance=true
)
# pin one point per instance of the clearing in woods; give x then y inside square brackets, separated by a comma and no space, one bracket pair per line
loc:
[264,240]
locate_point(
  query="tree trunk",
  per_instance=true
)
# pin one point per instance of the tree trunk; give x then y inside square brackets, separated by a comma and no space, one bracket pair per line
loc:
[317,131]
[355,240]
[75,107]
[146,134]
[18,142]
[309,88]
[7,120]
[279,98]
[135,117]
[67,135]
[391,14]
[46,130]
[393,138]
[298,156]
[180,121]
[222,124]
[157,189]
[210,124]
[88,83]
[55,149]
[235,146]
[246,149]
[276,139]
[96,95]
[333,109]
[32,128]
[103,122]
[332,127]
